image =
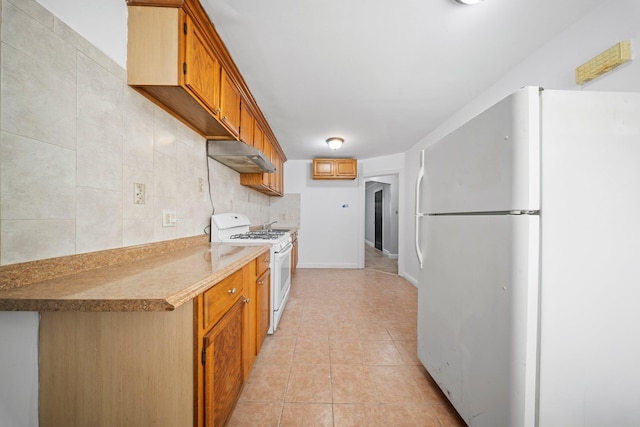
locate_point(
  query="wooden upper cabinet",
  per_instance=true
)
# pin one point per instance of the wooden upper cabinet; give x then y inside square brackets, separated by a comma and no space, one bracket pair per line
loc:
[246,124]
[177,60]
[169,60]
[335,168]
[229,103]
[201,69]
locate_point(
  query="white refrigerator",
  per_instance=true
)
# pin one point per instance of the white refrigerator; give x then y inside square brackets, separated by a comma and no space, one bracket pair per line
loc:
[528,238]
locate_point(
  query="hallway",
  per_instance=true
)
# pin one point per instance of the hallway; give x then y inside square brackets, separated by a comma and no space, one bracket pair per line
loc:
[374,259]
[344,355]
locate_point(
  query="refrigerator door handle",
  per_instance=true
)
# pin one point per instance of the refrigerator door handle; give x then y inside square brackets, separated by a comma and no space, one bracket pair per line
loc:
[418,214]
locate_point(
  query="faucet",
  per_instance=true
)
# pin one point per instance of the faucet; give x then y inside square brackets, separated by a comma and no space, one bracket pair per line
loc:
[266,225]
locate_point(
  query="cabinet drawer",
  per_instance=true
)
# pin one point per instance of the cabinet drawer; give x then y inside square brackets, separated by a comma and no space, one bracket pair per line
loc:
[219,299]
[262,263]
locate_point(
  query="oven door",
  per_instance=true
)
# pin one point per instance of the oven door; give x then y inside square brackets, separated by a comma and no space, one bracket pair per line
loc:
[282,277]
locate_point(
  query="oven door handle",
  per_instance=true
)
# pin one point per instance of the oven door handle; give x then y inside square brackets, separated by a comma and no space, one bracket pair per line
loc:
[285,250]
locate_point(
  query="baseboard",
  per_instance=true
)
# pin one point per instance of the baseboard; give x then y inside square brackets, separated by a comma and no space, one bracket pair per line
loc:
[409,279]
[389,254]
[342,266]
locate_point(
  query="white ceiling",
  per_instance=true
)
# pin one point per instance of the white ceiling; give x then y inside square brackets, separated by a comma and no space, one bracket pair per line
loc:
[380,74]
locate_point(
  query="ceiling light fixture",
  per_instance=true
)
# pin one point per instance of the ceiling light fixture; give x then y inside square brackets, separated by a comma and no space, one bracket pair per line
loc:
[468,2]
[335,142]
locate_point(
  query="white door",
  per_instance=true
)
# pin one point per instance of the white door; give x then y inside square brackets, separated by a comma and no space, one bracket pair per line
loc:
[477,310]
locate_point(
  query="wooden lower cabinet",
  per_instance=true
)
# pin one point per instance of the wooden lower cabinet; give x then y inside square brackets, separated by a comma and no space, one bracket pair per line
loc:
[179,368]
[116,369]
[223,366]
[263,318]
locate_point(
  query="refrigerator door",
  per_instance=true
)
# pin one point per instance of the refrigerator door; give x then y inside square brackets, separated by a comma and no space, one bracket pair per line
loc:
[477,314]
[590,321]
[489,164]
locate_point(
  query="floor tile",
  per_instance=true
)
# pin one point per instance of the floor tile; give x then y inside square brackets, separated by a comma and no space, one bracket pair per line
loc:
[277,350]
[344,355]
[346,352]
[309,383]
[352,384]
[447,415]
[382,353]
[358,415]
[311,351]
[266,383]
[256,414]
[396,384]
[411,415]
[307,415]
[408,351]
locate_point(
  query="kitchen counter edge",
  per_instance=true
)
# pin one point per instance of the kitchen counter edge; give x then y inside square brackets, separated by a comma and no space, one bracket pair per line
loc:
[33,294]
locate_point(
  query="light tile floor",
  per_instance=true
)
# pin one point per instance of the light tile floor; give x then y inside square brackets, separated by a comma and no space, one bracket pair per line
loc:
[375,260]
[344,354]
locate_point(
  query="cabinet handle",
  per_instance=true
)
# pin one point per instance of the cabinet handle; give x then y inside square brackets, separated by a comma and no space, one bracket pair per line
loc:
[232,291]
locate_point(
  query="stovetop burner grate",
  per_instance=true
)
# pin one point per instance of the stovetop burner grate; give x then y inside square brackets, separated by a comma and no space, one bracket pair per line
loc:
[264,235]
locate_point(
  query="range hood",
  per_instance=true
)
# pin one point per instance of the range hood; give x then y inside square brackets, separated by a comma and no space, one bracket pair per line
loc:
[239,156]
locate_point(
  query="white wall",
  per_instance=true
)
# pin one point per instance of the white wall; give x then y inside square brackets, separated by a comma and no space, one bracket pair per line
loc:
[102,23]
[331,215]
[332,236]
[551,67]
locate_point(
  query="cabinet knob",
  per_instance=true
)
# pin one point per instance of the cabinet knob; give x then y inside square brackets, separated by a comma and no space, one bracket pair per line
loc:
[260,282]
[247,300]
[225,118]
[217,110]
[266,259]
[232,291]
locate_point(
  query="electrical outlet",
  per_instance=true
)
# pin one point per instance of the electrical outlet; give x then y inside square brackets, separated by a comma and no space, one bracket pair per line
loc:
[201,185]
[138,193]
[169,218]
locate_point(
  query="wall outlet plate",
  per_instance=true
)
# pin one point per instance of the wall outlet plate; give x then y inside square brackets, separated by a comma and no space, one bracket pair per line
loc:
[169,218]
[138,193]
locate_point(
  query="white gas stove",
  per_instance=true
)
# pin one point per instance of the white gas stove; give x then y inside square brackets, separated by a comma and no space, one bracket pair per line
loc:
[234,228]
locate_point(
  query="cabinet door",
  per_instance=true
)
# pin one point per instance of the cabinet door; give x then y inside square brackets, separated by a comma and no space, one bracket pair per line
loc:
[258,136]
[201,68]
[229,103]
[246,124]
[323,168]
[223,374]
[346,168]
[266,149]
[263,295]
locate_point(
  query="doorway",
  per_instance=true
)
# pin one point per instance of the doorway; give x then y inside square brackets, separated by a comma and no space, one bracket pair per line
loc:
[381,223]
[378,220]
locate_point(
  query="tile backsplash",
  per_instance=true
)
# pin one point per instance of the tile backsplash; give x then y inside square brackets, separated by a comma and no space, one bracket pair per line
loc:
[75,139]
